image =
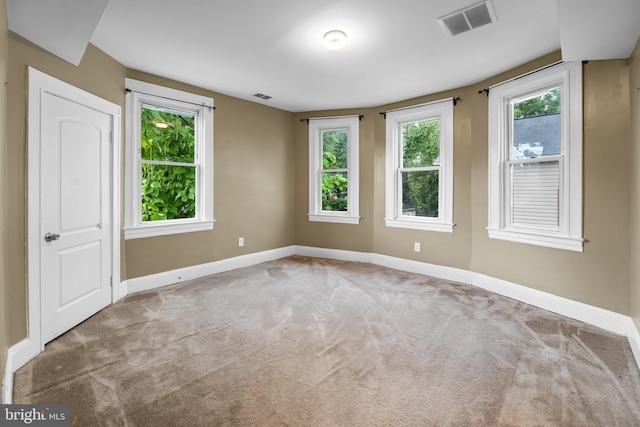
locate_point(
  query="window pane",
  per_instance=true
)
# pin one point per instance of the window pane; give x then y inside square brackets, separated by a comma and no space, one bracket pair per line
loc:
[420,193]
[536,125]
[334,149]
[167,135]
[334,191]
[168,192]
[535,197]
[421,144]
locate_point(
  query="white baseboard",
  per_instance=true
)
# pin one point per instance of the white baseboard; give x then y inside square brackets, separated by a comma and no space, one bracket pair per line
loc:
[23,352]
[333,254]
[170,277]
[633,335]
[440,271]
[123,289]
[7,381]
[596,316]
[17,356]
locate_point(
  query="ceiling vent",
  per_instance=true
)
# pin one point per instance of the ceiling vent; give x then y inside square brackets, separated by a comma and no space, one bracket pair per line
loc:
[468,19]
[262,96]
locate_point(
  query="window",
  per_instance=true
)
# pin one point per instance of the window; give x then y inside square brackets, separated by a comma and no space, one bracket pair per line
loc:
[419,160]
[535,158]
[169,175]
[333,169]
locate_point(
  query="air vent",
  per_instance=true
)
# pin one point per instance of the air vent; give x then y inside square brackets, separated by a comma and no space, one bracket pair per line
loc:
[468,19]
[261,95]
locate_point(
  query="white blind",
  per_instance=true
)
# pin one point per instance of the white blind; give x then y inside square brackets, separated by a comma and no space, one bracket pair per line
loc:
[535,194]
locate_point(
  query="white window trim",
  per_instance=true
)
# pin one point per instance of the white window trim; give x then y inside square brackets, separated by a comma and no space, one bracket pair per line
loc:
[316,127]
[202,106]
[443,111]
[569,235]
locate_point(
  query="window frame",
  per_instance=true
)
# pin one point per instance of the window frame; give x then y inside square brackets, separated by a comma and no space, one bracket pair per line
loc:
[568,236]
[441,110]
[139,93]
[316,127]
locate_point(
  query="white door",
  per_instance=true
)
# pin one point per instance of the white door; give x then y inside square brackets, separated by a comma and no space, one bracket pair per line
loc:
[75,213]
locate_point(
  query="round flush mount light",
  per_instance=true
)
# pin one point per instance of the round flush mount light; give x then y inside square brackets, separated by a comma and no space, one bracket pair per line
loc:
[335,40]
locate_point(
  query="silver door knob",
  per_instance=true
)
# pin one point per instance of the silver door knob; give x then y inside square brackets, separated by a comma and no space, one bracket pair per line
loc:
[50,237]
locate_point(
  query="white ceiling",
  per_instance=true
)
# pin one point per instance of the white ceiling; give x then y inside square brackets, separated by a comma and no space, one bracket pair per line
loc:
[598,29]
[396,49]
[64,28]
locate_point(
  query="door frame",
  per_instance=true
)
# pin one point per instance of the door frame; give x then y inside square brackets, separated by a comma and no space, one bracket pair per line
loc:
[40,83]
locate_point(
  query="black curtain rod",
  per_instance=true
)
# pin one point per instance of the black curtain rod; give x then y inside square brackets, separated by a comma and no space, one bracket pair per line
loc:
[360,117]
[211,107]
[486,90]
[454,100]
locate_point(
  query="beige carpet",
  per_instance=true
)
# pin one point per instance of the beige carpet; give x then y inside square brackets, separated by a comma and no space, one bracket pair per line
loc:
[311,342]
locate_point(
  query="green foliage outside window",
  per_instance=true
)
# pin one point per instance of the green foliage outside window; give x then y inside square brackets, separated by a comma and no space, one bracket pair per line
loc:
[334,156]
[542,105]
[168,189]
[420,148]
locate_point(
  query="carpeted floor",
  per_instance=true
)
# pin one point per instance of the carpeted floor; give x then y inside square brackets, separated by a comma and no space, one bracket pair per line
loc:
[311,342]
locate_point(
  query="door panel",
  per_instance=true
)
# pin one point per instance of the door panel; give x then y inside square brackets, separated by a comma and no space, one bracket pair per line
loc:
[80,271]
[75,205]
[80,203]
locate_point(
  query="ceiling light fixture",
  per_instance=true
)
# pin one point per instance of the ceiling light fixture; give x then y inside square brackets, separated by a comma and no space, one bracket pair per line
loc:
[162,125]
[335,40]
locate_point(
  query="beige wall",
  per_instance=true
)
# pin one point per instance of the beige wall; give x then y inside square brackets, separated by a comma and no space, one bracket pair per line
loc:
[253,187]
[599,276]
[4,301]
[634,89]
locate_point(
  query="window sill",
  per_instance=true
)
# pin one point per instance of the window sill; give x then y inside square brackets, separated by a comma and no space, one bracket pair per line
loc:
[339,219]
[420,225]
[558,242]
[151,230]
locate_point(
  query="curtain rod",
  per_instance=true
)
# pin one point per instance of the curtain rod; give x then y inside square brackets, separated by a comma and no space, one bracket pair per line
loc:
[360,117]
[454,100]
[486,90]
[211,107]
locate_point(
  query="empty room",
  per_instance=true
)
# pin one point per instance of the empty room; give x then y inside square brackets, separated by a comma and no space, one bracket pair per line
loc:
[304,213]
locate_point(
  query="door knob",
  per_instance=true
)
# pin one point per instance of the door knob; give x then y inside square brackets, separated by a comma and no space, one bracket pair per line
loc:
[50,237]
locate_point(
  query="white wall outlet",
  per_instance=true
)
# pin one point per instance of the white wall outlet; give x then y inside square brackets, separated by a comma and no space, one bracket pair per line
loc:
[240,241]
[416,247]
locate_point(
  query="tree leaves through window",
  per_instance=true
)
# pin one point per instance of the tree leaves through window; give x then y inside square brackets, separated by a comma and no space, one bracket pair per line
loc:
[169,188]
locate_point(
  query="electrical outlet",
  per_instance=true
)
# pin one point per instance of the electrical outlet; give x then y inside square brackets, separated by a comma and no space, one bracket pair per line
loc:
[416,247]
[240,241]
